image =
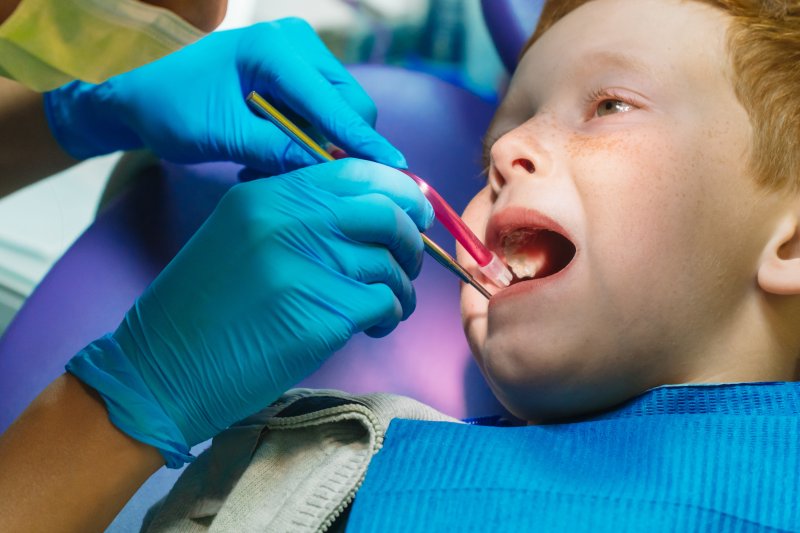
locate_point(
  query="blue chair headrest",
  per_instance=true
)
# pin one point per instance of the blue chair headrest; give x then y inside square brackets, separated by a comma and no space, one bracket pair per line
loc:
[510,23]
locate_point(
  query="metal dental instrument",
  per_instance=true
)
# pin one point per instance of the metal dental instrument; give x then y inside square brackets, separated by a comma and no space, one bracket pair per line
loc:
[447,261]
[488,262]
[268,111]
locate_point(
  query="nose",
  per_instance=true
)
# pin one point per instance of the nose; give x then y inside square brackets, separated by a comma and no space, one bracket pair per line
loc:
[516,155]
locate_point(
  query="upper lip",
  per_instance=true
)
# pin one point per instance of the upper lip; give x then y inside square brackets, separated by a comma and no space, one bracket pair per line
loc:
[511,219]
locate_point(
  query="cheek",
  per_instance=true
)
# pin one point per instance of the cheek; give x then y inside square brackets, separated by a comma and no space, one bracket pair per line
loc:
[641,196]
[657,210]
[473,305]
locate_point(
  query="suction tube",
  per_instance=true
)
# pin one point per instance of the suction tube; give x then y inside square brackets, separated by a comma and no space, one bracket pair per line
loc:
[490,265]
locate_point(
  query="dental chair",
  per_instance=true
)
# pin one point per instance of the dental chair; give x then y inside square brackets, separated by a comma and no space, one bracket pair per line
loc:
[510,23]
[159,205]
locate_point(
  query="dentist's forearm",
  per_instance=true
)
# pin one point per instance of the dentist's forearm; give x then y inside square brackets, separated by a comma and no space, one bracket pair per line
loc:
[65,467]
[28,150]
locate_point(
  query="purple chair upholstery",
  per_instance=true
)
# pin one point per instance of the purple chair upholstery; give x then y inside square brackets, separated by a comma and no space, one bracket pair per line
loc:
[510,23]
[438,127]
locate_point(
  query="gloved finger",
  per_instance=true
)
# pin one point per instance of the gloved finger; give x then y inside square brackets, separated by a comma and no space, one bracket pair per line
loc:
[356,177]
[322,105]
[373,264]
[249,174]
[388,311]
[369,307]
[266,149]
[378,332]
[303,37]
[374,218]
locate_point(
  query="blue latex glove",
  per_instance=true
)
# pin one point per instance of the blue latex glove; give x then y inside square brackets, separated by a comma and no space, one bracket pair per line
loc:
[281,275]
[189,107]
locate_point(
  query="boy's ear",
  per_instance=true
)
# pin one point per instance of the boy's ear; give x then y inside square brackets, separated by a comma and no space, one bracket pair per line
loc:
[779,271]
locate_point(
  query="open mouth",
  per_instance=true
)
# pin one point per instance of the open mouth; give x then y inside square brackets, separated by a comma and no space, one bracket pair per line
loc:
[536,253]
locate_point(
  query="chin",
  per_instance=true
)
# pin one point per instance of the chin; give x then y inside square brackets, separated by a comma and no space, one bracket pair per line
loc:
[542,387]
[542,403]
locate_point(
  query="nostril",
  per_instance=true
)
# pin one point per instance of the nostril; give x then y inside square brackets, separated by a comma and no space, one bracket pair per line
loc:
[527,164]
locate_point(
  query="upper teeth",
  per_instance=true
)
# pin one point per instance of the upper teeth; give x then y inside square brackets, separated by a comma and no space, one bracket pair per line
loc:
[520,263]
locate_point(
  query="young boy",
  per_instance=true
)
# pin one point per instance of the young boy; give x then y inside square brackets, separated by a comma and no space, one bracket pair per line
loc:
[661,141]
[643,185]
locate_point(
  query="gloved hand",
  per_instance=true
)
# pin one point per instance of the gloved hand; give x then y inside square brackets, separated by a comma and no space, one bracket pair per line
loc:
[189,107]
[281,275]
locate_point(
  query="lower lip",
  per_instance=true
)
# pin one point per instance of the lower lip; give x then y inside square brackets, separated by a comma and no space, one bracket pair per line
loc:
[526,287]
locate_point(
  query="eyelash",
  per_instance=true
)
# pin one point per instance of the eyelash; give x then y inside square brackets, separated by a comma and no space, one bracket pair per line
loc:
[598,96]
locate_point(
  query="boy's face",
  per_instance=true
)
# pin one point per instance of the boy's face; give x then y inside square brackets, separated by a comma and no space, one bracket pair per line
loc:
[620,131]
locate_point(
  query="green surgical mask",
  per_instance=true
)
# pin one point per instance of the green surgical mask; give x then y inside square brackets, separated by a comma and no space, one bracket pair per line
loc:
[47,43]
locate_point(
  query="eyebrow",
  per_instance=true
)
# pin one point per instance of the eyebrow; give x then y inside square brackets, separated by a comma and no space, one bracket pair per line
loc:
[609,59]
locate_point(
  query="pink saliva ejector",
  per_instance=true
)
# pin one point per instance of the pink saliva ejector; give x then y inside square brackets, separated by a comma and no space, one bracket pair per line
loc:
[489,264]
